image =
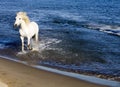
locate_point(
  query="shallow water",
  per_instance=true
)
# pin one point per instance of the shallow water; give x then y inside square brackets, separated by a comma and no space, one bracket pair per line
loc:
[76,34]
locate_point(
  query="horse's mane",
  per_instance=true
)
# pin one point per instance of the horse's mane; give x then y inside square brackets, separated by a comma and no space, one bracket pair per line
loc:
[24,17]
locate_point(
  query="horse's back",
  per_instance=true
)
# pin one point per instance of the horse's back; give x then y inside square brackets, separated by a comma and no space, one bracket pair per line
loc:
[32,29]
[34,24]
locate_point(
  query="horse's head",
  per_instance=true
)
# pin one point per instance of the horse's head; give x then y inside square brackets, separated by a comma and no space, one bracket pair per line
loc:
[21,17]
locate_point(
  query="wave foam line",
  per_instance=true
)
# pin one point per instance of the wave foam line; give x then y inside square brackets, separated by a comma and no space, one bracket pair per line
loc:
[91,79]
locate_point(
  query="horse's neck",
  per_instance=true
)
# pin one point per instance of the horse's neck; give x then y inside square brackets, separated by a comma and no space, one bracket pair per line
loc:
[24,26]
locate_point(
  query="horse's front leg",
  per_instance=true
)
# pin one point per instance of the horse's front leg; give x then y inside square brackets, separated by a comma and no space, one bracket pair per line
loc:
[29,46]
[22,40]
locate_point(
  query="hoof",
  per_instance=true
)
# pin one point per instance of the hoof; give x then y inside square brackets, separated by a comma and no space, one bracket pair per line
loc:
[29,47]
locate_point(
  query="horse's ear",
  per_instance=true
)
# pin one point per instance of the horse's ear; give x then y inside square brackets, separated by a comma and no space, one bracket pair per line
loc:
[21,13]
[24,13]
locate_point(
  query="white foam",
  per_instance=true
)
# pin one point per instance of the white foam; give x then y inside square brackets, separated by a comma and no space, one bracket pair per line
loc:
[118,34]
[46,43]
[19,53]
[105,28]
[42,45]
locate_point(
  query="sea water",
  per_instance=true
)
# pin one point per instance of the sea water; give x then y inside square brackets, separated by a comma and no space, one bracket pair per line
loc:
[77,35]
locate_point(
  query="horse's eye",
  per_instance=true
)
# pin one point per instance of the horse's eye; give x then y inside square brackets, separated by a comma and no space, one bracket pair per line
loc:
[19,18]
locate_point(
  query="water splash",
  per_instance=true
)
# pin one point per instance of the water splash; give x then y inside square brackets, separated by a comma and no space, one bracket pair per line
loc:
[46,43]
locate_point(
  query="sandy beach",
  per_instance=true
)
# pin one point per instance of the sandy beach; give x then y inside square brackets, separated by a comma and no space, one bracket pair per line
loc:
[15,74]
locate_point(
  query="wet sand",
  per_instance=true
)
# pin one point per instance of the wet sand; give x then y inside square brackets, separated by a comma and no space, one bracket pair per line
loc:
[19,75]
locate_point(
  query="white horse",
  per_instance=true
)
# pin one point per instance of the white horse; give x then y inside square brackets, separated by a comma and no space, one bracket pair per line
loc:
[27,29]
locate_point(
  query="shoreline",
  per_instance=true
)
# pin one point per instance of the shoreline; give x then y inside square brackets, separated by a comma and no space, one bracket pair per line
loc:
[15,74]
[15,57]
[18,73]
[94,74]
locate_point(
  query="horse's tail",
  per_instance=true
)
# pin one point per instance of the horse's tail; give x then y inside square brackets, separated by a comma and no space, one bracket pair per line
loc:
[35,43]
[35,37]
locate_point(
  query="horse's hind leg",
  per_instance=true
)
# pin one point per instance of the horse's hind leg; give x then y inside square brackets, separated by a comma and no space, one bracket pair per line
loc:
[36,37]
[35,43]
[22,40]
[29,46]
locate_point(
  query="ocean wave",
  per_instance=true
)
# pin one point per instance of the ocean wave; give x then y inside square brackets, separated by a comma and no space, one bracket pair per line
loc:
[111,29]
[67,19]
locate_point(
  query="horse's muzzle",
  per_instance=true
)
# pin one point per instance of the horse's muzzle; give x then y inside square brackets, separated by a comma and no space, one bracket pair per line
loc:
[15,25]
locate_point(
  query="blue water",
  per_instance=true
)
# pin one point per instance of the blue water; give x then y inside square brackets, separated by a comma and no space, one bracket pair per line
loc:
[80,35]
